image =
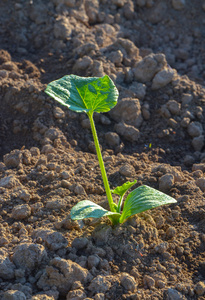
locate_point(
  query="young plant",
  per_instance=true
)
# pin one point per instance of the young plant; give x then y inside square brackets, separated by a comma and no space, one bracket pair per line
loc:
[99,94]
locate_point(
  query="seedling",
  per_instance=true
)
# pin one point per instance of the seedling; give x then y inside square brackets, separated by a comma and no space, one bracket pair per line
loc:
[99,94]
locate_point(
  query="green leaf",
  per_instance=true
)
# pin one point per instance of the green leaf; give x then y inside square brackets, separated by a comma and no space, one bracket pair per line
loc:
[121,190]
[142,199]
[84,94]
[88,209]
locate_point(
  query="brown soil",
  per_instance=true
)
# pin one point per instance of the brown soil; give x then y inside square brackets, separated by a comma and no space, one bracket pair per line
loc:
[48,162]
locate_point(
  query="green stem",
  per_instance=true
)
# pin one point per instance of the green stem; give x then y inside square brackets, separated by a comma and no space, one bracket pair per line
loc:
[119,204]
[101,163]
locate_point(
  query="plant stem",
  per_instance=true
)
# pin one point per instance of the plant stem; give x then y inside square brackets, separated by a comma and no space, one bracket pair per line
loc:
[101,163]
[119,204]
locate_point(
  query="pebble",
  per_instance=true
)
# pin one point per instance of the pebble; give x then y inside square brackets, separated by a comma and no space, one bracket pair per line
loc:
[93,261]
[162,78]
[112,139]
[58,113]
[80,243]
[78,294]
[178,4]
[14,295]
[63,273]
[62,28]
[13,159]
[174,295]
[20,212]
[198,142]
[127,170]
[82,64]
[195,129]
[170,232]
[129,111]
[146,69]
[148,282]
[139,89]
[9,182]
[29,256]
[54,240]
[79,189]
[6,267]
[129,132]
[200,182]
[166,182]
[100,284]
[128,282]
[200,288]
[174,107]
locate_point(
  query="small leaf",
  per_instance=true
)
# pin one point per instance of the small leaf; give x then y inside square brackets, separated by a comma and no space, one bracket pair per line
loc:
[88,209]
[121,190]
[142,199]
[84,94]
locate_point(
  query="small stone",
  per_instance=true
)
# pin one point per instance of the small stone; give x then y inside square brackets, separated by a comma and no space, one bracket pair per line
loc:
[178,4]
[93,261]
[25,195]
[174,295]
[174,107]
[128,111]
[82,64]
[116,57]
[29,256]
[139,89]
[62,28]
[198,142]
[197,167]
[162,78]
[79,189]
[9,182]
[100,284]
[20,212]
[6,267]
[195,129]
[13,159]
[185,122]
[157,13]
[170,233]
[186,99]
[146,69]
[189,160]
[80,243]
[58,113]
[3,74]
[200,182]
[14,295]
[78,294]
[99,296]
[166,182]
[112,139]
[62,273]
[149,282]
[127,170]
[129,132]
[200,288]
[58,203]
[53,240]
[128,282]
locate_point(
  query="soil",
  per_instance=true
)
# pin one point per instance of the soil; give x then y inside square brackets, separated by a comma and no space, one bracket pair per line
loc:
[154,52]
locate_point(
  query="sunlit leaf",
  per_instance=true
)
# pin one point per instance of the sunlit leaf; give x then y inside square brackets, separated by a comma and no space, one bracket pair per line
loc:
[121,190]
[88,209]
[84,94]
[142,199]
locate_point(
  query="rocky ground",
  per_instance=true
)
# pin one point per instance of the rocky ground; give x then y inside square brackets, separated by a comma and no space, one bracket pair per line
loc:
[154,52]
